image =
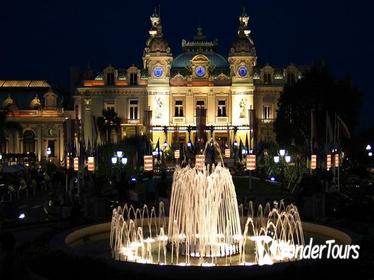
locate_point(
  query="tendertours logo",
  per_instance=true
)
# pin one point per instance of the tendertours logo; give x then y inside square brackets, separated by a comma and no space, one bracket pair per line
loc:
[269,250]
[329,250]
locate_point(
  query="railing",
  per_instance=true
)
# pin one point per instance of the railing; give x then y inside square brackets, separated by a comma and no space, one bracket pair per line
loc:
[266,121]
[179,119]
[222,120]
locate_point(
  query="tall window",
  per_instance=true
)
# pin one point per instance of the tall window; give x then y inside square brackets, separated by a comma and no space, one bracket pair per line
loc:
[109,106]
[266,112]
[178,108]
[50,100]
[221,108]
[267,78]
[110,79]
[200,104]
[133,106]
[51,146]
[291,78]
[133,79]
[28,142]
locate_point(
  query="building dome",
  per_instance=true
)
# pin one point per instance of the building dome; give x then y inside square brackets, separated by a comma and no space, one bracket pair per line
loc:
[243,44]
[35,102]
[8,102]
[158,44]
[184,59]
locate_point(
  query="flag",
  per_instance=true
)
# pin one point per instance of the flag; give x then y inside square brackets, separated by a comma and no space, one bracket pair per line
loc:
[240,149]
[246,143]
[158,148]
[329,132]
[343,127]
[313,131]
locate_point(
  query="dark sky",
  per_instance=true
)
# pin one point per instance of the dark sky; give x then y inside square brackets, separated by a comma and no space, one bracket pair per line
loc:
[42,39]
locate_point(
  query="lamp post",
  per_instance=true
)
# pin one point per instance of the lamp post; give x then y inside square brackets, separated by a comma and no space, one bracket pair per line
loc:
[48,153]
[282,158]
[119,160]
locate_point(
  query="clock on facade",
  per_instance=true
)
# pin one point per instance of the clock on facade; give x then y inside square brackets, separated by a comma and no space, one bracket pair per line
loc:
[200,71]
[158,71]
[242,71]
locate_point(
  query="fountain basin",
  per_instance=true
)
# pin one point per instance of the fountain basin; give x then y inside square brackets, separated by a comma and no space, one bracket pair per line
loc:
[92,242]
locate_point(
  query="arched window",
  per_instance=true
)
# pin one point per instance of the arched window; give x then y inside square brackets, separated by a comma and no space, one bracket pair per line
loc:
[28,142]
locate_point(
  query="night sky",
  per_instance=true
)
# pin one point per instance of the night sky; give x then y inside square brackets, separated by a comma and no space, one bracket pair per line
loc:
[43,39]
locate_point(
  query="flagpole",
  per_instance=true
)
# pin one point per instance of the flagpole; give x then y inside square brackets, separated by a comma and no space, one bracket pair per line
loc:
[338,139]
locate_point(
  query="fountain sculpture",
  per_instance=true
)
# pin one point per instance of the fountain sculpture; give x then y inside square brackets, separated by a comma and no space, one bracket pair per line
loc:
[205,226]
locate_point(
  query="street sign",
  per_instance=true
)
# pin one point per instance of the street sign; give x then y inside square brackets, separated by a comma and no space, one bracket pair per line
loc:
[328,162]
[176,154]
[67,162]
[148,163]
[91,164]
[337,160]
[200,162]
[76,164]
[227,153]
[251,162]
[313,162]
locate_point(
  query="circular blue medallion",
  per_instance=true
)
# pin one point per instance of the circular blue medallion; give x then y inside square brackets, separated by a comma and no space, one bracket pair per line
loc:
[242,71]
[200,71]
[158,71]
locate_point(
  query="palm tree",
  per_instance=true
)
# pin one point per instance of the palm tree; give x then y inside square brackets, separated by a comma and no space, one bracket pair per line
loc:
[107,123]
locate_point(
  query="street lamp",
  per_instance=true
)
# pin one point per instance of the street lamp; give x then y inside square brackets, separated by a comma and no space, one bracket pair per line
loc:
[276,159]
[119,158]
[119,154]
[282,154]
[368,147]
[287,159]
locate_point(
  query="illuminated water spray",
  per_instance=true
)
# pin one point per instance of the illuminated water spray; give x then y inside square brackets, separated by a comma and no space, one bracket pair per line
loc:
[205,226]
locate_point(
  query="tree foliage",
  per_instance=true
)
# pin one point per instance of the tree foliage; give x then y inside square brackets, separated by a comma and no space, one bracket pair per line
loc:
[107,123]
[320,91]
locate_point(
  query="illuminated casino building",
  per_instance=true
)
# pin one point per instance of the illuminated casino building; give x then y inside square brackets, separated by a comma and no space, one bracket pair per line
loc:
[240,98]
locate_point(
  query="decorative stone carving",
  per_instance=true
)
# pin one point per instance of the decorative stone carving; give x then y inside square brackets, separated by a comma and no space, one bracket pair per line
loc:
[159,107]
[243,108]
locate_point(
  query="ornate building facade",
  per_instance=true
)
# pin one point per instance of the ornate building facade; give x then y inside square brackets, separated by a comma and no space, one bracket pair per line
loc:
[37,115]
[239,98]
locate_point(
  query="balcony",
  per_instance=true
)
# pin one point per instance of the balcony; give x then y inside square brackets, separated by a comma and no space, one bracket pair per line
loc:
[266,121]
[223,120]
[132,121]
[177,120]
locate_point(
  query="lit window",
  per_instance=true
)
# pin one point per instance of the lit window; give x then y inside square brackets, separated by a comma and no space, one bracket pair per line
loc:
[221,108]
[200,104]
[267,78]
[109,106]
[291,78]
[110,79]
[179,108]
[133,79]
[266,112]
[133,110]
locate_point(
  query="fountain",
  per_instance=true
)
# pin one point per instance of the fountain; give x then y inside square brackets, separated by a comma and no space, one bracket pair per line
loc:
[205,226]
